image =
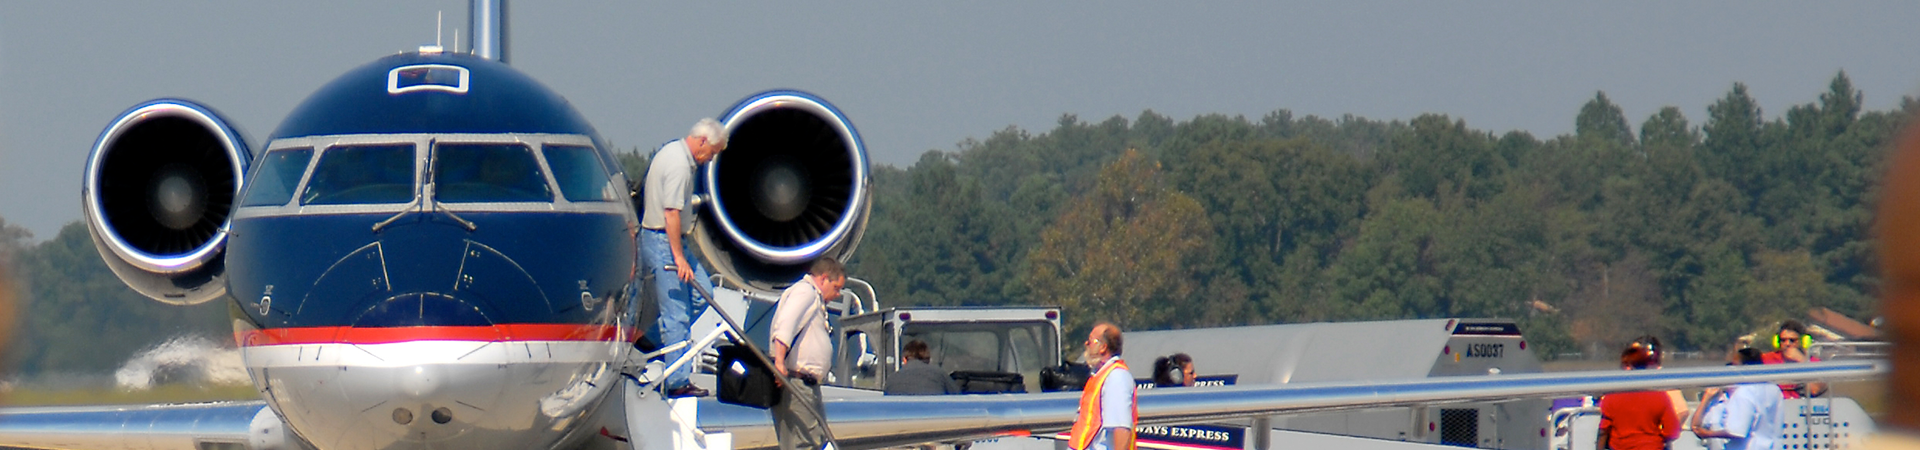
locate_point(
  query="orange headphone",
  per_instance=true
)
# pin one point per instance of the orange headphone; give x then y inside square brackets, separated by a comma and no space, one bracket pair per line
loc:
[1805,341]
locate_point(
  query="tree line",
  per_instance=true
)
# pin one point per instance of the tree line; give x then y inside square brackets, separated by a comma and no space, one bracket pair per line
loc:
[75,316]
[1696,233]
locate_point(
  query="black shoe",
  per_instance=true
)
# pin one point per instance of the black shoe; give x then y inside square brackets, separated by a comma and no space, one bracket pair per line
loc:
[645,345]
[687,391]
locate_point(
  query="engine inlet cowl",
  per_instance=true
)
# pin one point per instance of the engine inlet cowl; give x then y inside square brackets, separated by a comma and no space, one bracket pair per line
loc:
[160,183]
[791,187]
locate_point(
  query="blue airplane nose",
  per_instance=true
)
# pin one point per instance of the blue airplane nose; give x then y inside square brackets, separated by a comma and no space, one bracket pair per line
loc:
[422,309]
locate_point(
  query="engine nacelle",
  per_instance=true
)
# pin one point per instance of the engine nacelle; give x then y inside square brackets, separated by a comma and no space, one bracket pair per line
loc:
[160,184]
[792,186]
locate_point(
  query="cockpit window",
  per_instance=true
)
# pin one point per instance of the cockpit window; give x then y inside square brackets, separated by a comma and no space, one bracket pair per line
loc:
[362,174]
[469,173]
[578,169]
[279,176]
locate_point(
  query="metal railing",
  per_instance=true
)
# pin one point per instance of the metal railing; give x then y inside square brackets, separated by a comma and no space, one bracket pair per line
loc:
[688,357]
[1837,351]
[854,299]
[737,334]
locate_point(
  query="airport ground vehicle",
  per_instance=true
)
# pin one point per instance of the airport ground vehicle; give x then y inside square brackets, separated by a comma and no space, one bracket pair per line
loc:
[989,350]
[989,345]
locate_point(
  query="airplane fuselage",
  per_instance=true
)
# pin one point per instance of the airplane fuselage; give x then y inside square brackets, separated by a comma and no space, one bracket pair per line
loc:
[432,251]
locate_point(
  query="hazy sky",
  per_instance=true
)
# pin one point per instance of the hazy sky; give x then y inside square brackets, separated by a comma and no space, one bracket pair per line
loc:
[917,76]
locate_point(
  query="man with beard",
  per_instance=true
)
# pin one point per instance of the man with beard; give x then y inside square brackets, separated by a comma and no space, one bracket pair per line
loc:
[1107,409]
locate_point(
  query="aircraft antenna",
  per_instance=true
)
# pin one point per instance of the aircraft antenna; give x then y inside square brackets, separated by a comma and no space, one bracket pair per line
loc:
[435,48]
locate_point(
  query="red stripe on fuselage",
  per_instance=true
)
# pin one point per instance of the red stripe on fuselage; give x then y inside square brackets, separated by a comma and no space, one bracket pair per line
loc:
[388,335]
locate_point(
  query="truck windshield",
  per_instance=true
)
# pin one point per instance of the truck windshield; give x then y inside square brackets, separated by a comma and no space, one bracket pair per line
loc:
[1018,347]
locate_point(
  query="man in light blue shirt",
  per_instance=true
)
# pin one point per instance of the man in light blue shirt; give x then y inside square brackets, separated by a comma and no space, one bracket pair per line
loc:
[1752,418]
[1107,414]
[1116,410]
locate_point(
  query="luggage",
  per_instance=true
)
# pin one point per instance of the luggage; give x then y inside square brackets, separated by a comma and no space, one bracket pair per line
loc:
[743,381]
[985,382]
[1064,377]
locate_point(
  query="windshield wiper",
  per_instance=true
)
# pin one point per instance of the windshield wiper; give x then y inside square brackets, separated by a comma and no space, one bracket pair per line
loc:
[412,207]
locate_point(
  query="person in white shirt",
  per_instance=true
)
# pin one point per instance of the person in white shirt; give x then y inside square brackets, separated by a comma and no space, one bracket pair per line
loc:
[803,352]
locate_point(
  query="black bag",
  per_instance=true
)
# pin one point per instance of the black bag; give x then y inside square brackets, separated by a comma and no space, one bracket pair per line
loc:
[1064,377]
[743,381]
[985,382]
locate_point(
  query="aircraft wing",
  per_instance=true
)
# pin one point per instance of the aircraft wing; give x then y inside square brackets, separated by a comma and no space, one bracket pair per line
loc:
[246,424]
[881,421]
[875,422]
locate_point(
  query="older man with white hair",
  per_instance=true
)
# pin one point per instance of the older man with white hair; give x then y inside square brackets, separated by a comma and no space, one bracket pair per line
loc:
[666,219]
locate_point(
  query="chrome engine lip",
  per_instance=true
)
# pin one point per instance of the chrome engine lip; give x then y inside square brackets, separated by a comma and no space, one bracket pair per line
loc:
[842,229]
[95,211]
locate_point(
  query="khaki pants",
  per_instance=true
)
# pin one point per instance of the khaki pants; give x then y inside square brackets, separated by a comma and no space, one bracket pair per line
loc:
[799,420]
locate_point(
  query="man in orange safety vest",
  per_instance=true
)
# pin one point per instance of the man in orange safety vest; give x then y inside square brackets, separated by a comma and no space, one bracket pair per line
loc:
[1107,410]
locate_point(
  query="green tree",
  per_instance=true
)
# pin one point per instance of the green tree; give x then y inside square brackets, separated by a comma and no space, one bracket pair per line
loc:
[1785,285]
[1274,201]
[1390,272]
[1591,237]
[1128,251]
[13,239]
[79,317]
[1668,129]
[634,164]
[1731,150]
[1441,154]
[1613,302]
[1601,120]
[939,243]
[1840,105]
[1713,308]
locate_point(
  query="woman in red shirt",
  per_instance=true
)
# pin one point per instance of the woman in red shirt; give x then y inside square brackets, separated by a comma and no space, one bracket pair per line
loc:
[1637,420]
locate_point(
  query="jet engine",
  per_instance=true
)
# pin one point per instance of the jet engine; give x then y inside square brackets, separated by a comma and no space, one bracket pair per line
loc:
[159,186]
[791,187]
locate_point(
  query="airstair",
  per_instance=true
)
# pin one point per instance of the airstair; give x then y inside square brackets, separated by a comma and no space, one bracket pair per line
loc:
[742,376]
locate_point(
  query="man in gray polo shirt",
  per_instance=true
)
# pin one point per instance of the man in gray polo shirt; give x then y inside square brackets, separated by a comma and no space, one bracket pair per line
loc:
[803,352]
[664,223]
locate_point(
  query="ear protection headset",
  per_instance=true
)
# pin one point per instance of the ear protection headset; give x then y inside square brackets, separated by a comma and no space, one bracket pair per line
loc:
[1805,341]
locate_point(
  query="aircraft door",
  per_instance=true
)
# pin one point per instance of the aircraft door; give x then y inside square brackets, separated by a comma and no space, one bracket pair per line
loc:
[1025,355]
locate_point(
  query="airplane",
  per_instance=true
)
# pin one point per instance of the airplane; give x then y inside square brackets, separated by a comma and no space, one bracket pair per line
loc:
[433,250]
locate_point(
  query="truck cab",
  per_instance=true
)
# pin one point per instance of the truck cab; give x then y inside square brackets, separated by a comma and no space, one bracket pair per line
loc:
[985,349]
